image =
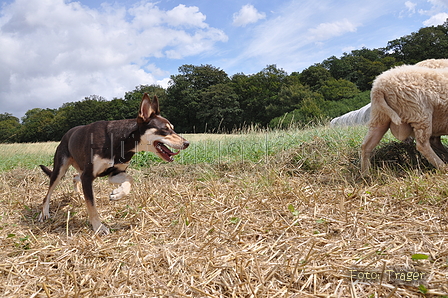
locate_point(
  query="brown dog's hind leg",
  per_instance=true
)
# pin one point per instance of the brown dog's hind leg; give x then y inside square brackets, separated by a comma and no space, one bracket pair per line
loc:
[60,168]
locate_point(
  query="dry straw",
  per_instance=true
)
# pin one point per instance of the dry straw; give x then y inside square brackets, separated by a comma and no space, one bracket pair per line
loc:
[292,227]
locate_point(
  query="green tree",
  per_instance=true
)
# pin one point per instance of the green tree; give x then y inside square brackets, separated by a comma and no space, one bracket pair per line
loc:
[310,111]
[368,70]
[91,109]
[315,76]
[427,43]
[258,91]
[338,89]
[220,109]
[340,68]
[59,124]
[337,108]
[360,66]
[36,125]
[289,98]
[9,128]
[184,95]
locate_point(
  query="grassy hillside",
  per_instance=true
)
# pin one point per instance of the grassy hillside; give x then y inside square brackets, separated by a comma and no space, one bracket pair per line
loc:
[256,214]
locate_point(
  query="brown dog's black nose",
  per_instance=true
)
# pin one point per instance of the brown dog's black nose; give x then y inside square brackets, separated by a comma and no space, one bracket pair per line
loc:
[186,144]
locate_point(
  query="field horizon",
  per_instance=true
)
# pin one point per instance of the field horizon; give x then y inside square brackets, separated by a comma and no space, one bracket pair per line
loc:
[279,213]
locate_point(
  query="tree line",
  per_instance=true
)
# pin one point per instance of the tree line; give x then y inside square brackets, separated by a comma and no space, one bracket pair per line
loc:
[205,98]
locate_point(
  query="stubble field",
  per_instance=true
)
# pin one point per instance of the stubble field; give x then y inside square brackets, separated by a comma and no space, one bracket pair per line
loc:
[254,214]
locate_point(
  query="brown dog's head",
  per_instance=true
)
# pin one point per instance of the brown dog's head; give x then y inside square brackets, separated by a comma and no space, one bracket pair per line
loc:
[157,132]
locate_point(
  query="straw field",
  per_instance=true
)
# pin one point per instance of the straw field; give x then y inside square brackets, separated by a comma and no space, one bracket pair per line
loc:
[256,214]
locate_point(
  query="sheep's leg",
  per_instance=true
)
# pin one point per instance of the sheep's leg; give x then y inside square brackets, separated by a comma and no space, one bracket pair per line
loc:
[439,149]
[424,146]
[372,139]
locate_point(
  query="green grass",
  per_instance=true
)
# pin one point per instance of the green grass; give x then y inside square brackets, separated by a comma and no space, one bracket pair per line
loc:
[27,155]
[250,145]
[255,145]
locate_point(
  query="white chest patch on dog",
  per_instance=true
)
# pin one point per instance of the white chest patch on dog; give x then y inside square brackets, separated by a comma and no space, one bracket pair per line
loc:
[101,164]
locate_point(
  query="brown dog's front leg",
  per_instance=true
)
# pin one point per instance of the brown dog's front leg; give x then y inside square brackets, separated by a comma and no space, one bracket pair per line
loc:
[124,189]
[94,217]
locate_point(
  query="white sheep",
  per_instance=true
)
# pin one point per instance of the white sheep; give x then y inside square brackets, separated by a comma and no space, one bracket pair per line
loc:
[436,142]
[411,101]
[433,63]
[362,115]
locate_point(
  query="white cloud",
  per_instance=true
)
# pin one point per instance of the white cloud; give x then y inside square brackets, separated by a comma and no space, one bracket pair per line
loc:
[54,51]
[440,3]
[436,12]
[436,20]
[410,6]
[248,14]
[164,83]
[186,16]
[328,30]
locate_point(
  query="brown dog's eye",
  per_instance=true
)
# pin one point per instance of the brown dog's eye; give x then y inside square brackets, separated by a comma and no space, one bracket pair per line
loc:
[163,131]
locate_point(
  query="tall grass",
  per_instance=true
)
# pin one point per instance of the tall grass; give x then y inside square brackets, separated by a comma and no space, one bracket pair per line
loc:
[250,144]
[245,145]
[27,155]
[257,145]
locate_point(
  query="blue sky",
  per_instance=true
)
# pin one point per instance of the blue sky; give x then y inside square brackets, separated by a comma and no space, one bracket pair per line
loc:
[56,51]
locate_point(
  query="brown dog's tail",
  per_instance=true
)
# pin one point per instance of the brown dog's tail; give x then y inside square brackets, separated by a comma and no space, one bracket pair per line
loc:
[46,170]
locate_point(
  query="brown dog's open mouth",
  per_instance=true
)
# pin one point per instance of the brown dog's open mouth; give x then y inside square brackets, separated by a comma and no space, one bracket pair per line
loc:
[164,151]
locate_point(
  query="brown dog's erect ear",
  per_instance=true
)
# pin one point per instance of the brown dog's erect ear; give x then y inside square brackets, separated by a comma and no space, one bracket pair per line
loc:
[148,108]
[155,105]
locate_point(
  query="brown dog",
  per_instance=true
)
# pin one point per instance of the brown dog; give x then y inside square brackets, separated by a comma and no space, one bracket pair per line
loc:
[105,148]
